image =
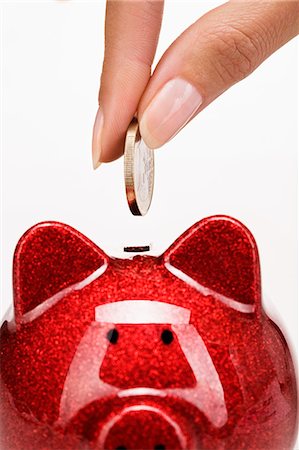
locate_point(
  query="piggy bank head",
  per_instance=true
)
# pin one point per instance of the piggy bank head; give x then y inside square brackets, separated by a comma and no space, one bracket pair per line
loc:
[169,352]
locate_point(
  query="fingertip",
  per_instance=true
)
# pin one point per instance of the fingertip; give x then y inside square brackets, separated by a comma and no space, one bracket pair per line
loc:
[96,164]
[97,139]
[169,111]
[112,146]
[146,134]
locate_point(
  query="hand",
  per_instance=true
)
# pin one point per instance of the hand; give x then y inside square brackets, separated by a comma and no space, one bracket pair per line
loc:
[218,50]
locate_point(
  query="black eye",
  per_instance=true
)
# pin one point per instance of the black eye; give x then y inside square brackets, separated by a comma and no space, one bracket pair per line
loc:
[112,336]
[167,337]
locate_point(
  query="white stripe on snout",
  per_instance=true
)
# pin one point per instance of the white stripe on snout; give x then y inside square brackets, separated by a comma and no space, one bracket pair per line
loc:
[83,384]
[141,311]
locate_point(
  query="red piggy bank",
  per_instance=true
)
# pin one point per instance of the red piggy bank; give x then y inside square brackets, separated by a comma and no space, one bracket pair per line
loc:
[169,352]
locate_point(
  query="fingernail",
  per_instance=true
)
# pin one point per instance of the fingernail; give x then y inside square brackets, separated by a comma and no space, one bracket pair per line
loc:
[169,111]
[96,139]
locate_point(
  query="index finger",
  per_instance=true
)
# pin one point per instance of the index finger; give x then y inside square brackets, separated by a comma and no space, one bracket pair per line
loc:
[131,36]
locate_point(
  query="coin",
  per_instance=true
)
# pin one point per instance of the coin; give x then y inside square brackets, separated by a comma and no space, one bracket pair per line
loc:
[139,171]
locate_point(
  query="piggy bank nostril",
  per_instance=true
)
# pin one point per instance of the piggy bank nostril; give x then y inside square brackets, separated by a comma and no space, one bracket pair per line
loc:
[112,336]
[167,337]
[160,447]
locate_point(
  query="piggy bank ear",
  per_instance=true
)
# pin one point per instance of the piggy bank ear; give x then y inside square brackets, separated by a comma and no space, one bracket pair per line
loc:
[218,255]
[50,257]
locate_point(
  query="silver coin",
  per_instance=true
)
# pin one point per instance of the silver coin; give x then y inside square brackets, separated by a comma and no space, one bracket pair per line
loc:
[139,171]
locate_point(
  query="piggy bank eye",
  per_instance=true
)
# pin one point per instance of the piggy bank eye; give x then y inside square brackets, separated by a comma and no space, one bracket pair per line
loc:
[112,336]
[167,337]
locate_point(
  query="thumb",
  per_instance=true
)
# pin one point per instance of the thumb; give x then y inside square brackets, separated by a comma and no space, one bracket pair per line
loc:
[218,50]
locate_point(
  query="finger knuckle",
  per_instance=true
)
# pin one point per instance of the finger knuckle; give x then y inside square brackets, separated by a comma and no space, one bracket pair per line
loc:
[237,54]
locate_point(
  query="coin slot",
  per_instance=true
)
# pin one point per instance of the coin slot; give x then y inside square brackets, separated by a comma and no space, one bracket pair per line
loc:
[160,447]
[137,249]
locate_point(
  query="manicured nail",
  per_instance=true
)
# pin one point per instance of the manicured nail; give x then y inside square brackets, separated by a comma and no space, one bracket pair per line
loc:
[169,111]
[96,139]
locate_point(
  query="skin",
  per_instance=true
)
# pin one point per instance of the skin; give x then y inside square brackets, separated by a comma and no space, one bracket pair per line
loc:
[218,50]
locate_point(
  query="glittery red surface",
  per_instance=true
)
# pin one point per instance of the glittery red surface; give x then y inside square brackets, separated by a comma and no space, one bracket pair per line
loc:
[169,352]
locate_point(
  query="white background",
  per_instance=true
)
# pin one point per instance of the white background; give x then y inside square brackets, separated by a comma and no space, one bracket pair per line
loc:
[238,157]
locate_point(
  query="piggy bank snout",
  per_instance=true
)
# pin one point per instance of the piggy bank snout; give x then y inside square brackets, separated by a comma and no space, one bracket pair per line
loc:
[142,426]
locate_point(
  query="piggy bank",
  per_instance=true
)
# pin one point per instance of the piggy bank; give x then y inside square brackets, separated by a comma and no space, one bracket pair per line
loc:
[168,352]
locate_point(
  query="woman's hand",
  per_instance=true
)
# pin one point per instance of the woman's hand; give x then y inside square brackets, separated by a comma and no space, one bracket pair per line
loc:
[218,50]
